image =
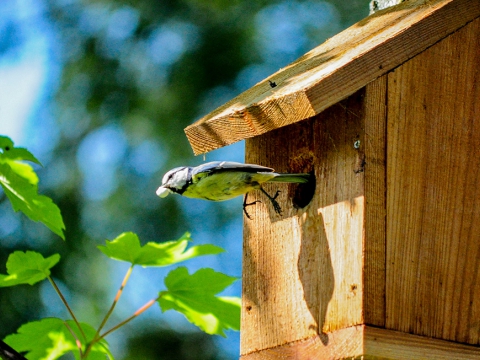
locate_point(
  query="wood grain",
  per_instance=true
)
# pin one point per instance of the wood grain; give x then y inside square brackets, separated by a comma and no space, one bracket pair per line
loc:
[332,71]
[368,343]
[392,235]
[395,345]
[340,344]
[433,177]
[374,246]
[302,271]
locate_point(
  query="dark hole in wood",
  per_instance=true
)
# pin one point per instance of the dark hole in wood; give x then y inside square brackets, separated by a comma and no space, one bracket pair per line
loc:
[304,193]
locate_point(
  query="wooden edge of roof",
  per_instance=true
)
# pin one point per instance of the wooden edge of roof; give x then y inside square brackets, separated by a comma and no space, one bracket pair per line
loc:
[332,71]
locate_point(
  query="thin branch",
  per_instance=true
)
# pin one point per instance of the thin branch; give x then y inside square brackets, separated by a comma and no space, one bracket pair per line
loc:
[115,301]
[9,353]
[67,306]
[138,312]
[77,341]
[97,336]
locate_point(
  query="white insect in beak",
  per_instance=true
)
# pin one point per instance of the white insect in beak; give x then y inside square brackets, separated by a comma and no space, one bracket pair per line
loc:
[163,191]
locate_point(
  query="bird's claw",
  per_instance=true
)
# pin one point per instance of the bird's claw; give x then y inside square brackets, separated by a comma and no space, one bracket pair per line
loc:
[276,205]
[245,204]
[276,195]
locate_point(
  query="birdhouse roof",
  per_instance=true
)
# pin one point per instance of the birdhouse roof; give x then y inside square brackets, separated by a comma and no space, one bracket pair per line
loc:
[332,71]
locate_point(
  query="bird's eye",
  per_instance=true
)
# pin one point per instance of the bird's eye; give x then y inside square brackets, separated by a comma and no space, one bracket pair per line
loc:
[169,177]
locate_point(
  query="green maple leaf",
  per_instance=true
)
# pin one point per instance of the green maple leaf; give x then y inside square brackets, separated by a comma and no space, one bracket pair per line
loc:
[126,247]
[19,182]
[194,296]
[12,156]
[50,338]
[9,151]
[27,268]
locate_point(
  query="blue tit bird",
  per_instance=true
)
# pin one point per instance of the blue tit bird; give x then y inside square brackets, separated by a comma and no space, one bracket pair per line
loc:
[224,180]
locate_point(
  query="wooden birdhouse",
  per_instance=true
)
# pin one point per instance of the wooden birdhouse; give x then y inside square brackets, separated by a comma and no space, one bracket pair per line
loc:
[380,258]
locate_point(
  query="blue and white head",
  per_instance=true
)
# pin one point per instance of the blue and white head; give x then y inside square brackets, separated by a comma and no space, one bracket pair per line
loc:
[175,180]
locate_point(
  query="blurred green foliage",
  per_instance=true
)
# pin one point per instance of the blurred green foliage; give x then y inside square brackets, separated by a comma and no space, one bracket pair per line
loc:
[134,74]
[192,295]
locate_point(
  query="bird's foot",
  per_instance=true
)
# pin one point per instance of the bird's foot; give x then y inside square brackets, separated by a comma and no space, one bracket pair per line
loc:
[276,205]
[245,204]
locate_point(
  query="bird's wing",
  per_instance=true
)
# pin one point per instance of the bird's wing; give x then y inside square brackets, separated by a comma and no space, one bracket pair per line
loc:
[219,166]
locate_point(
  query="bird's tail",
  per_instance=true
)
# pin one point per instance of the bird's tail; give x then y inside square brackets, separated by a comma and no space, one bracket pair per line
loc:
[292,178]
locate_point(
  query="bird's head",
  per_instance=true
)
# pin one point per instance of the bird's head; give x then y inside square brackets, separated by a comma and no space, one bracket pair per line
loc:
[175,180]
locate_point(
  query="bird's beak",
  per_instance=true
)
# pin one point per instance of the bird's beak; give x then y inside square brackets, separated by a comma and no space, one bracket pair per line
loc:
[163,191]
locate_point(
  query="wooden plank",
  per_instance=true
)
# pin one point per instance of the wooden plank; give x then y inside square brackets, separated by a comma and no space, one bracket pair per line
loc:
[365,342]
[374,244]
[433,177]
[340,344]
[395,345]
[302,271]
[332,71]
[311,282]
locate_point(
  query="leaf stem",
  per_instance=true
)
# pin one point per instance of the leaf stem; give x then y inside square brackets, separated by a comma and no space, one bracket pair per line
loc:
[138,312]
[77,341]
[97,336]
[57,290]
[115,301]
